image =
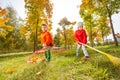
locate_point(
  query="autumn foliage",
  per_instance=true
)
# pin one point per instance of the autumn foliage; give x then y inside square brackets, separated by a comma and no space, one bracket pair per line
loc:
[4,29]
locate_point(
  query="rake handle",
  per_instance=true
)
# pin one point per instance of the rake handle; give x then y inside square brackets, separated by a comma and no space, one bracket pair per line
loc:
[92,48]
[114,60]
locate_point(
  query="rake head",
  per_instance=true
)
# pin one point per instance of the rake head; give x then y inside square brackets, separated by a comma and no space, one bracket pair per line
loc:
[114,60]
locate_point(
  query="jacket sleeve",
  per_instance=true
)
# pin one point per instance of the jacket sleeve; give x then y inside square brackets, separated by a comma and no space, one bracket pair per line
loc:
[75,36]
[49,39]
[84,37]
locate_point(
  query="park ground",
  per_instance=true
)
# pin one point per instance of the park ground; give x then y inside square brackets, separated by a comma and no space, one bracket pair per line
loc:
[64,65]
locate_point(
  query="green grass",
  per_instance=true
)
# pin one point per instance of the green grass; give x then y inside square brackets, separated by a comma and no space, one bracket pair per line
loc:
[64,65]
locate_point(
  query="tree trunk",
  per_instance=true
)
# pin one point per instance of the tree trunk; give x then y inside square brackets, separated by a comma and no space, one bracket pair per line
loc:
[91,41]
[34,44]
[65,36]
[102,34]
[115,40]
[36,36]
[37,33]
[113,33]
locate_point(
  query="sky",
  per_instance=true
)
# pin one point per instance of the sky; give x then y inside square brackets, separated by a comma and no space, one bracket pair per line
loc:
[18,5]
[65,8]
[61,9]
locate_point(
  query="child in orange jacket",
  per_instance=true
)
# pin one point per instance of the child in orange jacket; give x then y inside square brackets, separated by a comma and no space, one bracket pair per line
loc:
[46,40]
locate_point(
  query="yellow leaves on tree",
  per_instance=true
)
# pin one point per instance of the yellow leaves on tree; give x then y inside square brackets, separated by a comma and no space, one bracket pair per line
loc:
[4,29]
[2,12]
[23,31]
[85,1]
[2,21]
[83,5]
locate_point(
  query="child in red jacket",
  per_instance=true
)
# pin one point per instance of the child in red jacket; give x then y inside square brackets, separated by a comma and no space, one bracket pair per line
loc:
[81,37]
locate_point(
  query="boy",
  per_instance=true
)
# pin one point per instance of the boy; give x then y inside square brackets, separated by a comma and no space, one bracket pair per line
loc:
[46,40]
[81,38]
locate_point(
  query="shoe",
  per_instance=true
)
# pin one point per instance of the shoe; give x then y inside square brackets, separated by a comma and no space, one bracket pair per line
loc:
[85,58]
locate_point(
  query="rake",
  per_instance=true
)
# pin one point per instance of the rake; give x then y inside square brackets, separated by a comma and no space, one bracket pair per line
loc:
[42,50]
[114,60]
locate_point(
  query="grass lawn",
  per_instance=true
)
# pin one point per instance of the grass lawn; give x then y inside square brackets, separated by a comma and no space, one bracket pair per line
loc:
[64,65]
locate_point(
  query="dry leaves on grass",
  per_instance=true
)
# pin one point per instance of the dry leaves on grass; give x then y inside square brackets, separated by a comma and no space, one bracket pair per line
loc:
[36,59]
[9,70]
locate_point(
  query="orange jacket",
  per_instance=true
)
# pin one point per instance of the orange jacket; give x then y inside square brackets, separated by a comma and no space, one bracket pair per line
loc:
[46,38]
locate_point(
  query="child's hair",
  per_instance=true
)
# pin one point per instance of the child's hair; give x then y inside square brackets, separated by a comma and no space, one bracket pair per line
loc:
[44,25]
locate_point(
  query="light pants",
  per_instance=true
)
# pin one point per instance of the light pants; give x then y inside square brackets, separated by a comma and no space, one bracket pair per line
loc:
[83,48]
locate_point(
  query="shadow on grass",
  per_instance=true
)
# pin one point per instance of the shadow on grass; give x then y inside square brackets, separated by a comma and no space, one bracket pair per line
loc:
[11,56]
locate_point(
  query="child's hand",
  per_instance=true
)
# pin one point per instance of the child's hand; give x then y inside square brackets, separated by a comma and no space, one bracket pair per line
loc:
[44,45]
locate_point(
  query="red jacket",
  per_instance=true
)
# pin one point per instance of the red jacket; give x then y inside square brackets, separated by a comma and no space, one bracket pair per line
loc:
[80,36]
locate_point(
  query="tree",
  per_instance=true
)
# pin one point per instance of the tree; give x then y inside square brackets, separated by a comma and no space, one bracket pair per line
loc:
[109,7]
[95,16]
[111,10]
[38,12]
[57,37]
[70,37]
[4,28]
[103,27]
[14,21]
[65,23]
